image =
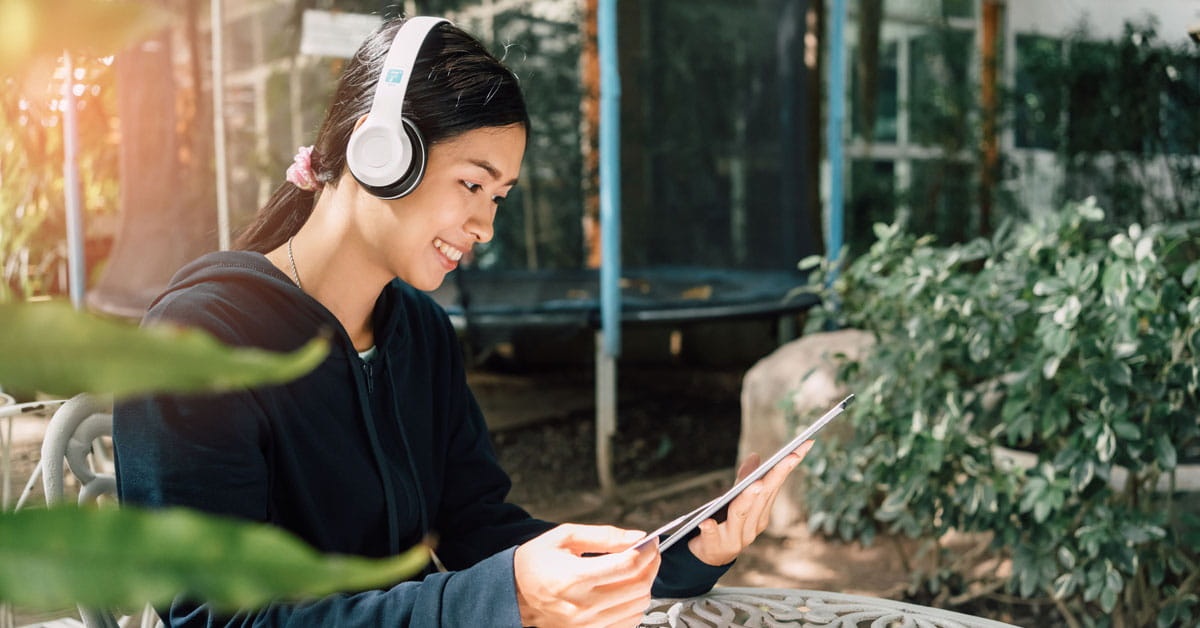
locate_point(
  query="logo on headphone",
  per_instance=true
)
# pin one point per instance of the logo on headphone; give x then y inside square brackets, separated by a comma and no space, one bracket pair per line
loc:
[394,75]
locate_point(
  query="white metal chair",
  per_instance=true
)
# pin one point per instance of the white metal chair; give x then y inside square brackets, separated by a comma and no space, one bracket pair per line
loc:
[76,434]
[72,436]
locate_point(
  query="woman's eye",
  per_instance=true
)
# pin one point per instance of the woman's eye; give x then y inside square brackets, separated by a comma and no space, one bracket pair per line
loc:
[471,187]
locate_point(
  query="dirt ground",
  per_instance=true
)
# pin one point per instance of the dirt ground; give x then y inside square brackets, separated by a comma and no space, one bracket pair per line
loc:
[675,448]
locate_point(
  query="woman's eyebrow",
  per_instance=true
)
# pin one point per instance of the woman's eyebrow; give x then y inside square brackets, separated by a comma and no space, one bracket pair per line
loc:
[492,170]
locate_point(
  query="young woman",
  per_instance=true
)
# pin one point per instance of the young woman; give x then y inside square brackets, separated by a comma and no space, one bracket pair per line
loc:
[383,444]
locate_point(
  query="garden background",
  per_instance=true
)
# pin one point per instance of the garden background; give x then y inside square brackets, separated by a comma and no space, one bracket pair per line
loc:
[1020,237]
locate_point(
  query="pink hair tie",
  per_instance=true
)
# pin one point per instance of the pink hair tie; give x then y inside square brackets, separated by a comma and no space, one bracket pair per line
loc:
[300,173]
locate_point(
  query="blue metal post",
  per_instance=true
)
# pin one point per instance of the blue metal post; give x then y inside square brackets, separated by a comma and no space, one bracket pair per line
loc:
[833,137]
[608,341]
[610,177]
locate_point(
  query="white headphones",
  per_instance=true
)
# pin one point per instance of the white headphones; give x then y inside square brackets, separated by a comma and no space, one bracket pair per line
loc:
[386,153]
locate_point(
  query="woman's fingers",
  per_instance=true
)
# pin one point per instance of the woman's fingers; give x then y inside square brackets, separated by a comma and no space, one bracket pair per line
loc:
[748,514]
[584,576]
[592,538]
[626,599]
[774,480]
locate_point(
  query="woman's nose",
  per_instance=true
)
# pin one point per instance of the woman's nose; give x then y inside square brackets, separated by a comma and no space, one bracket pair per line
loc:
[481,224]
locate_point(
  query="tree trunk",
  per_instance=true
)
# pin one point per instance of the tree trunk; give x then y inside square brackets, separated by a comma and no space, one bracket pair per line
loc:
[589,135]
[166,216]
[990,153]
[870,22]
[811,128]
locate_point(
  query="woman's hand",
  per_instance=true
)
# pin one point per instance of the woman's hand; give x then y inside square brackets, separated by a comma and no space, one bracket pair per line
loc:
[747,515]
[558,584]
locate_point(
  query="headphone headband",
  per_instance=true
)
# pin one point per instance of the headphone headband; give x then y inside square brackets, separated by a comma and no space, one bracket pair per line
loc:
[398,67]
[386,153]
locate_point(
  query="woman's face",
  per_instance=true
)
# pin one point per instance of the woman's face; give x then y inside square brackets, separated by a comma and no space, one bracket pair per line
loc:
[424,235]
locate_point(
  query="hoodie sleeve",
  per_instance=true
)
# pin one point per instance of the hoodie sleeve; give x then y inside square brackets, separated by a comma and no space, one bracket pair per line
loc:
[484,595]
[681,574]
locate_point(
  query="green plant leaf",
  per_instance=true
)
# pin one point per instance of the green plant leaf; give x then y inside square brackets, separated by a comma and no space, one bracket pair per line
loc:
[1164,452]
[1121,246]
[1113,584]
[125,557]
[1106,444]
[1050,367]
[1126,430]
[1190,275]
[1049,286]
[1082,475]
[810,262]
[1064,586]
[1108,600]
[1168,615]
[1135,534]
[57,349]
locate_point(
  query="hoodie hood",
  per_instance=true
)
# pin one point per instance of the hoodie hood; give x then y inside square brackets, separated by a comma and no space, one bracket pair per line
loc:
[251,272]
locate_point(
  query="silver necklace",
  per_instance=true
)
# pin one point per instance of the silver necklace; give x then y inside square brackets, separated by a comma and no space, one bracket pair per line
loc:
[292,259]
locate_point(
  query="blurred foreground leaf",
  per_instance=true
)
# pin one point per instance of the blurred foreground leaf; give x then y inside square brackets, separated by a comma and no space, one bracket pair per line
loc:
[54,348]
[36,28]
[110,557]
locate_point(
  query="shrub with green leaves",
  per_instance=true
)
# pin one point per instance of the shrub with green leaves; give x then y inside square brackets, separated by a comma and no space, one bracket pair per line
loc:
[1066,338]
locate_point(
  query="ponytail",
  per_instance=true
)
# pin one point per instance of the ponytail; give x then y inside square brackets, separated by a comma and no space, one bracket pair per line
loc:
[285,212]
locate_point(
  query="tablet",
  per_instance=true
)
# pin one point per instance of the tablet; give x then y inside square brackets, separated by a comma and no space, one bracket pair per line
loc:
[688,521]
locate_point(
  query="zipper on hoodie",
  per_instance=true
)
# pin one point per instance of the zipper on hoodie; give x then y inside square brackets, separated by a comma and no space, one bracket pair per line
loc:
[366,398]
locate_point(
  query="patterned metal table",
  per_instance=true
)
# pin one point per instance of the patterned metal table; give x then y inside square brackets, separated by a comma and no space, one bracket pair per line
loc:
[730,607]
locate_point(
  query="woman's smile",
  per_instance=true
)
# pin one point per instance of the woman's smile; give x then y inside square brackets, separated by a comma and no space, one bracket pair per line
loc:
[452,253]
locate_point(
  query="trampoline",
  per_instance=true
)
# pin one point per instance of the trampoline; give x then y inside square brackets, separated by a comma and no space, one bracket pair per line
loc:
[492,299]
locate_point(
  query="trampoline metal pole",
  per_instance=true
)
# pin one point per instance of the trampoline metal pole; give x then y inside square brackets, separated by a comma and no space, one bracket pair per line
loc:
[610,178]
[609,339]
[606,415]
[218,97]
[76,246]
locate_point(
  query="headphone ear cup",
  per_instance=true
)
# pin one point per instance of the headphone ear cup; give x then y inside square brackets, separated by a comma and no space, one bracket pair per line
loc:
[413,172]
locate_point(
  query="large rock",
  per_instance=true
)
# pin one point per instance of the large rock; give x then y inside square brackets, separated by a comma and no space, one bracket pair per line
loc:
[785,391]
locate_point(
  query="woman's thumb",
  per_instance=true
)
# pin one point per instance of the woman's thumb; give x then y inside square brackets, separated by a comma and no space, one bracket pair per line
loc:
[592,538]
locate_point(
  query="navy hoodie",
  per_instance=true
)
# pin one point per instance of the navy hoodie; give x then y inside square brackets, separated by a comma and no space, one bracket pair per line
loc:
[357,457]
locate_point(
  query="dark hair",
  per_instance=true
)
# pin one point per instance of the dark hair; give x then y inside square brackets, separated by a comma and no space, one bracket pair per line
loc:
[457,86]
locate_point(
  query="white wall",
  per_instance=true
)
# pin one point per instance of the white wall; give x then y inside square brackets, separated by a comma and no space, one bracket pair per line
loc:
[1105,18]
